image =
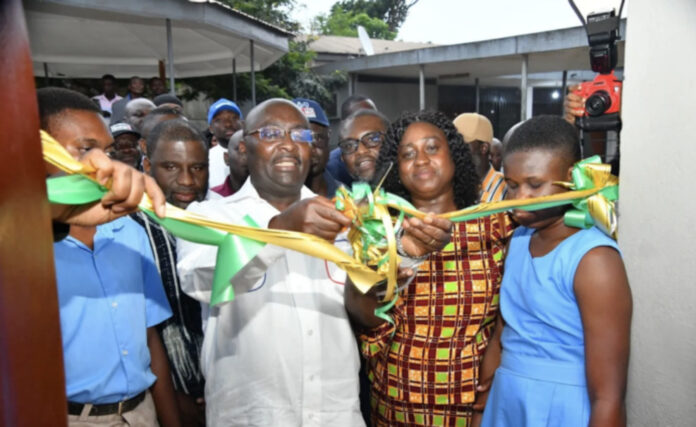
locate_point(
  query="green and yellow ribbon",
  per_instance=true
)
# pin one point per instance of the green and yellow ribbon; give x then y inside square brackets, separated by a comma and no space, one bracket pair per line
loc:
[372,235]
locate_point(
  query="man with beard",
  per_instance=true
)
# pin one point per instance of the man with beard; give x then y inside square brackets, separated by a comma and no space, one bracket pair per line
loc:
[224,119]
[360,137]
[177,158]
[319,180]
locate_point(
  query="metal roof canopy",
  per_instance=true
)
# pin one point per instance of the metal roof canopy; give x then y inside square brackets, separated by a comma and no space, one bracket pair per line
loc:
[492,62]
[78,38]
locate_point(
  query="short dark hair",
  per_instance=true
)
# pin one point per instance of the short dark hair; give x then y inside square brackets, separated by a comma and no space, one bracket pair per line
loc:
[170,130]
[109,77]
[466,180]
[347,106]
[343,126]
[54,100]
[152,119]
[547,133]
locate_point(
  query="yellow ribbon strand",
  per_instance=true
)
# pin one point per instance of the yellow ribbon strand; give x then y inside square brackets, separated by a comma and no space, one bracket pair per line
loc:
[362,276]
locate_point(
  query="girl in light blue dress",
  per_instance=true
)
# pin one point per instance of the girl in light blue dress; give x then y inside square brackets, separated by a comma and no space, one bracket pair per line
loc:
[565,302]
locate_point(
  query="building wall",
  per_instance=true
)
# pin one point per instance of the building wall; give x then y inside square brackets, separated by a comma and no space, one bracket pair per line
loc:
[657,208]
[394,98]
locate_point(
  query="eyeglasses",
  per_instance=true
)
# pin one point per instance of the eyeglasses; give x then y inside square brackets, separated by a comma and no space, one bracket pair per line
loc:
[275,133]
[369,140]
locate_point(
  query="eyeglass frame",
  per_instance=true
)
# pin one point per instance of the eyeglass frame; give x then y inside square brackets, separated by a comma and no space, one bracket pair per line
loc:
[285,133]
[362,140]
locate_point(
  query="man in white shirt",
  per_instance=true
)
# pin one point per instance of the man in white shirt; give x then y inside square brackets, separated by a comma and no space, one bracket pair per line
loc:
[224,119]
[283,352]
[107,99]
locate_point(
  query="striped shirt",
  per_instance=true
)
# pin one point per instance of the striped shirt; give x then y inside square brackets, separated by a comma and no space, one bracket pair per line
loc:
[493,187]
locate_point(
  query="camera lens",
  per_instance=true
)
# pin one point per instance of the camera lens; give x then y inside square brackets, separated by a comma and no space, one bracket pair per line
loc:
[597,103]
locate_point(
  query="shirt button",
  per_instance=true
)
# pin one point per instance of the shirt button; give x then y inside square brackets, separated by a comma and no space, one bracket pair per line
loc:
[310,332]
[124,352]
[311,378]
[114,304]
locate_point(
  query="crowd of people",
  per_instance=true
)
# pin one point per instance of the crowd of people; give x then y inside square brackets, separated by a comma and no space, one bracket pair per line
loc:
[513,319]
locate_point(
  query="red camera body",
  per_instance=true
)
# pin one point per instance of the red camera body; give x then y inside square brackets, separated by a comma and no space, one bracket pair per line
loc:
[602,95]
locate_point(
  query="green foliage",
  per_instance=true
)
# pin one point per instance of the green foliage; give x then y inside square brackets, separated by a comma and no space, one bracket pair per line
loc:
[274,12]
[345,23]
[381,18]
[289,77]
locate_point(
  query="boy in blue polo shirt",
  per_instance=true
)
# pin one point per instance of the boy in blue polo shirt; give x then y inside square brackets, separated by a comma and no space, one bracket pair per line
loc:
[110,296]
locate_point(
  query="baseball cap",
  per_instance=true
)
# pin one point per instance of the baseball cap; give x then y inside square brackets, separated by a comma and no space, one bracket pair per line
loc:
[312,110]
[221,105]
[474,127]
[121,128]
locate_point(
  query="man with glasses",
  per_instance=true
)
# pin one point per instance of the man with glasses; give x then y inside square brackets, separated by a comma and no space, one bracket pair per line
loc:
[319,180]
[283,352]
[360,137]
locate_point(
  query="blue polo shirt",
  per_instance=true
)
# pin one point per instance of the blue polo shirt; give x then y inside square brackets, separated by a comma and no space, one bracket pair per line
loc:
[108,298]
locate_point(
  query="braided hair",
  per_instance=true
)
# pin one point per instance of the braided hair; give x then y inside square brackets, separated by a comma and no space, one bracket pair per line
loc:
[466,181]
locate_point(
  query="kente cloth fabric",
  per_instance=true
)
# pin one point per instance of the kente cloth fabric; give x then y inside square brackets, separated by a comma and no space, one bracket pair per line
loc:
[282,353]
[541,378]
[493,187]
[425,373]
[182,334]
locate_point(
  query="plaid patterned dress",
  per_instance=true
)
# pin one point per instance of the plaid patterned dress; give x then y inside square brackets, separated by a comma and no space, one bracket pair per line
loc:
[426,372]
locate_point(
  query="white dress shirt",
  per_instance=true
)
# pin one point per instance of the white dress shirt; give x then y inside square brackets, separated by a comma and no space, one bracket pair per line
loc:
[217,169]
[283,352]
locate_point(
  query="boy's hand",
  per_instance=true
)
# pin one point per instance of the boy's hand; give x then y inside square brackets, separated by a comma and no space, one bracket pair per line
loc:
[316,216]
[127,188]
[425,236]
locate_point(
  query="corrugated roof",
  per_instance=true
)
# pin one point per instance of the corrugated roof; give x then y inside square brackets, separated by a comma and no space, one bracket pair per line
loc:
[351,45]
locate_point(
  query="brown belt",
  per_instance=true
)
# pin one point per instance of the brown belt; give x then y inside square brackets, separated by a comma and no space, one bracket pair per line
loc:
[108,408]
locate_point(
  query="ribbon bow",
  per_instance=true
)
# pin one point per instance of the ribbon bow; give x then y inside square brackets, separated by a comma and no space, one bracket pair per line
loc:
[597,209]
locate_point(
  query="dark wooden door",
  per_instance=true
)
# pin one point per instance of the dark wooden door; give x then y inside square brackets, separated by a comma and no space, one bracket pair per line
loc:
[32,387]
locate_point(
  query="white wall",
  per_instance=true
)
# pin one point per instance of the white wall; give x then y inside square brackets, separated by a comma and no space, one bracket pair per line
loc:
[657,210]
[392,99]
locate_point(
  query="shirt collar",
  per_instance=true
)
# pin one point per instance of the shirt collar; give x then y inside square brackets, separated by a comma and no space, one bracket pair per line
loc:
[248,191]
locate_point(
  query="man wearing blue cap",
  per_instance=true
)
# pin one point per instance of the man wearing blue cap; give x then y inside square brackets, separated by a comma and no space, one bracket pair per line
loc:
[224,119]
[319,179]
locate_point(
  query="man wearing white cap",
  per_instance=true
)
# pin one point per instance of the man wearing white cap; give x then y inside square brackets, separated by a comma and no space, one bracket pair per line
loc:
[477,131]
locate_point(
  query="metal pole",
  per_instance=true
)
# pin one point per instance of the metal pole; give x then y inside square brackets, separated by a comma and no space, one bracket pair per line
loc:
[421,85]
[234,79]
[523,88]
[253,75]
[478,94]
[170,57]
[47,79]
[351,89]
[563,90]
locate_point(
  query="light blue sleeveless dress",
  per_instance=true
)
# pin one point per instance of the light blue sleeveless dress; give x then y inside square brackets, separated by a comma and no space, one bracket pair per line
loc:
[541,378]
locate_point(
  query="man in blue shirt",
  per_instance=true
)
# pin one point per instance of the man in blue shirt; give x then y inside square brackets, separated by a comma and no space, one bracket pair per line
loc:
[110,296]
